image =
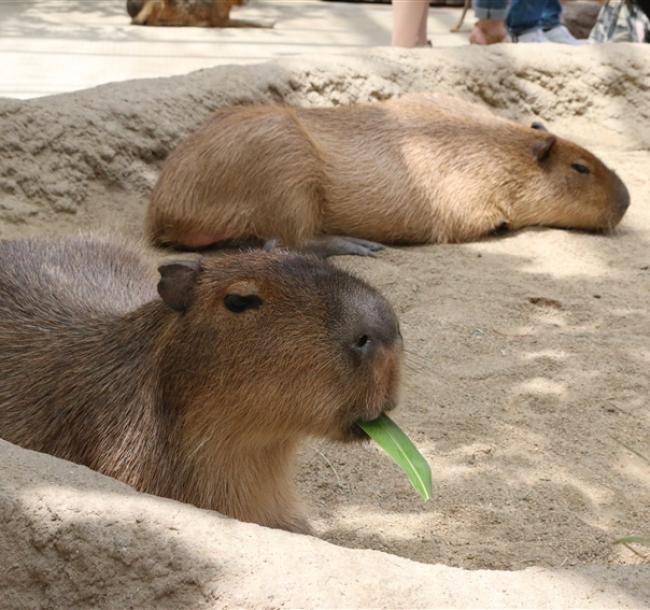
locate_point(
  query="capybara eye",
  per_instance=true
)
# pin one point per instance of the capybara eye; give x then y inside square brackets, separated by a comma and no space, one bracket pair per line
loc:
[362,343]
[238,302]
[581,169]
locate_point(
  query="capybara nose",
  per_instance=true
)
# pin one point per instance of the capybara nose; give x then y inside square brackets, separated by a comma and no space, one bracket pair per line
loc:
[622,196]
[383,332]
[133,7]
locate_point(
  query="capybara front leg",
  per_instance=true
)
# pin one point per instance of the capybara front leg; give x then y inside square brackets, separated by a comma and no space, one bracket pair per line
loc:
[338,245]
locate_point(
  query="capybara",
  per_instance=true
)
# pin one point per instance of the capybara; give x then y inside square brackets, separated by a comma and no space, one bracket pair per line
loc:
[202,390]
[418,169]
[199,13]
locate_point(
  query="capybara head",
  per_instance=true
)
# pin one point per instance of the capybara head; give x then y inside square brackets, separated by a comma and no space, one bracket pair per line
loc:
[280,345]
[568,187]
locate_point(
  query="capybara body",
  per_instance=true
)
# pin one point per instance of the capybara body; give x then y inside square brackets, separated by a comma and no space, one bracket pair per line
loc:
[201,391]
[421,168]
[198,13]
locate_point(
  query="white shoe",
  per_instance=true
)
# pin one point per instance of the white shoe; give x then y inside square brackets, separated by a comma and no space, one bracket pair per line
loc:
[562,35]
[535,35]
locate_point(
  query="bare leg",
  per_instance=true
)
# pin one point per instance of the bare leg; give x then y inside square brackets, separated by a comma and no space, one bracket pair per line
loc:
[410,23]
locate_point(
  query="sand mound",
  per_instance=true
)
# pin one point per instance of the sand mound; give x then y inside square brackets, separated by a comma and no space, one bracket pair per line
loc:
[74,539]
[532,411]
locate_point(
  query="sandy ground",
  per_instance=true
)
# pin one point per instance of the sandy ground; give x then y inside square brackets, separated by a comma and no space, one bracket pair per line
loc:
[532,415]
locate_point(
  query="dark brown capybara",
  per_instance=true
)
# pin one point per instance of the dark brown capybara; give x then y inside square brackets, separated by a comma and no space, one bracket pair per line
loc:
[200,391]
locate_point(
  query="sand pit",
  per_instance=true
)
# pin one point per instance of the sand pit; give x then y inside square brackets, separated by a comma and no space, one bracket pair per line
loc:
[529,355]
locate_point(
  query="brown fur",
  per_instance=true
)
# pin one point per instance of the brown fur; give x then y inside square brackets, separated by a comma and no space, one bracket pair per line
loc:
[202,405]
[417,169]
[198,13]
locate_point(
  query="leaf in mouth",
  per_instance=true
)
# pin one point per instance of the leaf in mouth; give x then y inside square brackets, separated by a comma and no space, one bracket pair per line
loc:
[387,434]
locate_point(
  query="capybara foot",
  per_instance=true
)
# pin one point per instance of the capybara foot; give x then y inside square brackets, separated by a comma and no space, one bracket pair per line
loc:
[336,245]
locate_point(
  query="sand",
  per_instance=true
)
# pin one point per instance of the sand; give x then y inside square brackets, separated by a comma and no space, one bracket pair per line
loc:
[72,538]
[532,413]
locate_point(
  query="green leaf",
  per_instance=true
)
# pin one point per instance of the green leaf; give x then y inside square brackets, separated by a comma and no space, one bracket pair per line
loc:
[634,540]
[387,434]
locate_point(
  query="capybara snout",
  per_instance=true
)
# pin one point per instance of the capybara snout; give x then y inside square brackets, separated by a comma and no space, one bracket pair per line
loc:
[133,7]
[368,332]
[622,197]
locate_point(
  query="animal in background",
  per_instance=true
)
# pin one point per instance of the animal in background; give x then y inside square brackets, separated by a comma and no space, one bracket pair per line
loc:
[201,13]
[417,169]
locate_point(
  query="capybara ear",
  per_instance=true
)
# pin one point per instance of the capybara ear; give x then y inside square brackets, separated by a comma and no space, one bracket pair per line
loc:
[242,296]
[542,148]
[177,279]
[538,125]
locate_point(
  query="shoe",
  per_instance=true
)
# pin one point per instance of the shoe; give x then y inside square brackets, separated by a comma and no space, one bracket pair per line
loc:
[561,34]
[535,35]
[487,32]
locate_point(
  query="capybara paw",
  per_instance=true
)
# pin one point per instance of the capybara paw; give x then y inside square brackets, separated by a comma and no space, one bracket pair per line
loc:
[335,245]
[373,246]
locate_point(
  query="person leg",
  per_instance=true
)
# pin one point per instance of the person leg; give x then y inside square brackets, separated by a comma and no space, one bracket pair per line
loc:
[490,27]
[524,16]
[553,29]
[550,16]
[410,23]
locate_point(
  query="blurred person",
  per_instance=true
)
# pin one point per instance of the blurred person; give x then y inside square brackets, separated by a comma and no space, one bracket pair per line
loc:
[410,23]
[522,21]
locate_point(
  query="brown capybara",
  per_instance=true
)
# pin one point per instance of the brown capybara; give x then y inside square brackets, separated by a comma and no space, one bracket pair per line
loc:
[201,391]
[417,169]
[198,13]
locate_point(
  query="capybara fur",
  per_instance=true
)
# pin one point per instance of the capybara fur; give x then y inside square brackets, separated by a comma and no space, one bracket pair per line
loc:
[198,13]
[201,390]
[418,169]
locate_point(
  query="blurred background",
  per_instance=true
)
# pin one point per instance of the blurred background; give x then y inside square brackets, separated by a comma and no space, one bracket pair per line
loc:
[52,46]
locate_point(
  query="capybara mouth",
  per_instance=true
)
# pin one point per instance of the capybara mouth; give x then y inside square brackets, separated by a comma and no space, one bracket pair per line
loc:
[359,433]
[355,433]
